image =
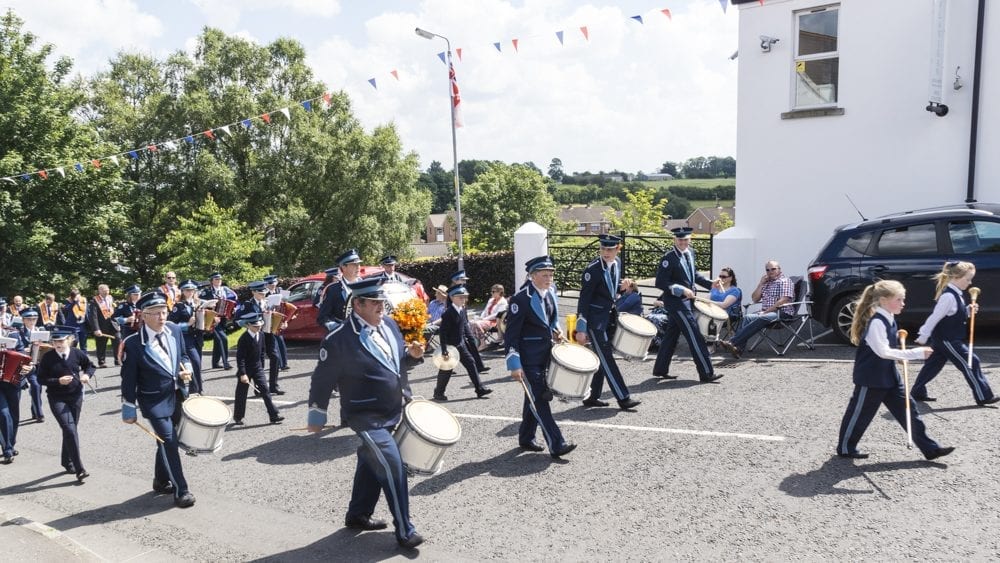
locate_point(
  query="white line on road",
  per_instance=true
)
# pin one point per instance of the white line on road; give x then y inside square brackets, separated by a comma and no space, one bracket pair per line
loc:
[257,399]
[762,437]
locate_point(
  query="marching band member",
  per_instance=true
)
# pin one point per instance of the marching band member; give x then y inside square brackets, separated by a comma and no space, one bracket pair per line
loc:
[595,314]
[155,380]
[99,313]
[250,369]
[170,289]
[10,402]
[333,305]
[676,277]
[459,279]
[332,275]
[364,356]
[60,371]
[273,289]
[532,324]
[6,319]
[49,314]
[30,317]
[258,304]
[184,315]
[75,315]
[389,269]
[455,331]
[220,348]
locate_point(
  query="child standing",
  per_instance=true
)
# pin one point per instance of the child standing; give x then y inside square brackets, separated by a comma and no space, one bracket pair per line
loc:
[946,329]
[876,379]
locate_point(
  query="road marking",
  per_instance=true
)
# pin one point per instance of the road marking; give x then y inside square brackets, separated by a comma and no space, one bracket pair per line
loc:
[257,399]
[762,437]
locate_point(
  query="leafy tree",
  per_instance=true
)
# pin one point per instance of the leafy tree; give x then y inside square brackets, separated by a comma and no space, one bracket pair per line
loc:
[556,169]
[441,185]
[723,222]
[469,170]
[213,239]
[639,214]
[669,167]
[503,198]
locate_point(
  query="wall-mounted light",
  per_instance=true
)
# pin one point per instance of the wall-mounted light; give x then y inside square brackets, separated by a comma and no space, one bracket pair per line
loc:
[766,41]
[937,109]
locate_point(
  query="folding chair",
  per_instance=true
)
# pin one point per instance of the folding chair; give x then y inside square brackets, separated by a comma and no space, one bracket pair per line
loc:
[787,330]
[494,336]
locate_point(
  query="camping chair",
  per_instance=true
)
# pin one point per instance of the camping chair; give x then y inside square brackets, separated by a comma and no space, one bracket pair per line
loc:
[494,336]
[787,330]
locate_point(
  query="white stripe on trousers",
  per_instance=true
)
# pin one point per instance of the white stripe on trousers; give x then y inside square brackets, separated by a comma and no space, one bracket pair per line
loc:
[390,477]
[858,407]
[959,360]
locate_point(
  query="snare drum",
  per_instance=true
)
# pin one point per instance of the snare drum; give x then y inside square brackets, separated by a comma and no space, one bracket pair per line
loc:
[425,434]
[225,308]
[571,369]
[633,336]
[10,366]
[710,318]
[203,420]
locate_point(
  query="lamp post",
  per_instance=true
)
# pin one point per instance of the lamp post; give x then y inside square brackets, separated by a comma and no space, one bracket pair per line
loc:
[454,145]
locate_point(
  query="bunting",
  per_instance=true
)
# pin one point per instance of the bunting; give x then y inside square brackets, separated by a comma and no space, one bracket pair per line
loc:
[441,56]
[497,45]
[637,18]
[586,35]
[459,51]
[559,36]
[514,42]
[372,82]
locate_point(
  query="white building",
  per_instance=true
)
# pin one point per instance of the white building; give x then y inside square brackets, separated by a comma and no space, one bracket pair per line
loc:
[832,100]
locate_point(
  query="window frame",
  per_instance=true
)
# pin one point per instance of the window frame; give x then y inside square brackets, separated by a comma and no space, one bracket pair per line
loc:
[826,55]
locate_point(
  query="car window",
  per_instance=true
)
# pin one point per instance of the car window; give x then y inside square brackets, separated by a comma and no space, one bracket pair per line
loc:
[974,237]
[856,246]
[303,291]
[913,239]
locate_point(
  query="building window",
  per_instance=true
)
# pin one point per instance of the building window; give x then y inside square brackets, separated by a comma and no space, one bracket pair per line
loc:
[817,59]
[580,227]
[595,227]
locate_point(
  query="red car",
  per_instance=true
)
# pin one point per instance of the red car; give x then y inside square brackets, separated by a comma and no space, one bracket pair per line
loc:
[302,293]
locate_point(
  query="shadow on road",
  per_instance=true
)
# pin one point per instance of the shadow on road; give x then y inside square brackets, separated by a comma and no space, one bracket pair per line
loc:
[140,506]
[512,463]
[347,545]
[824,480]
[308,449]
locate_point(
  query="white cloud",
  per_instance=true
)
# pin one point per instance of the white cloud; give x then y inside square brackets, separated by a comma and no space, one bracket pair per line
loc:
[227,14]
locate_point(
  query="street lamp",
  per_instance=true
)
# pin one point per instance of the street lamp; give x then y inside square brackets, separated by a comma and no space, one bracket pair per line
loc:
[454,144]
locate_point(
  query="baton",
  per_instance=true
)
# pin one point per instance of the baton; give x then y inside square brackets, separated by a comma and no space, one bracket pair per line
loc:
[902,334]
[147,431]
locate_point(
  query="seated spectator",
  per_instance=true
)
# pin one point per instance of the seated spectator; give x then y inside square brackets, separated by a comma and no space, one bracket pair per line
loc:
[488,319]
[435,309]
[726,294]
[629,300]
[774,292]
[660,318]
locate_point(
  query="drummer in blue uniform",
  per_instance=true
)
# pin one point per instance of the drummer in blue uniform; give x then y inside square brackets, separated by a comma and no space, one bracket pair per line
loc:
[30,318]
[333,306]
[596,314]
[676,277]
[272,289]
[155,379]
[389,269]
[532,325]
[366,356]
[64,371]
[184,315]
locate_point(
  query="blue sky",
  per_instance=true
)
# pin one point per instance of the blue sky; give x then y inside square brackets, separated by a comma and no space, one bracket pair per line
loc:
[630,97]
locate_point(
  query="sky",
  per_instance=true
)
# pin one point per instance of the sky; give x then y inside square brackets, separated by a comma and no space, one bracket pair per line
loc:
[630,97]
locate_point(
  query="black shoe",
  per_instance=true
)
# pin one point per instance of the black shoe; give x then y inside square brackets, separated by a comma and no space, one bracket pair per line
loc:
[39,419]
[484,369]
[277,392]
[366,523]
[277,419]
[102,365]
[731,348]
[411,542]
[628,404]
[215,366]
[14,452]
[565,449]
[163,487]
[7,458]
[923,399]
[227,366]
[594,403]
[440,398]
[664,376]
[238,422]
[940,452]
[853,455]
[531,447]
[81,475]
[988,401]
[284,368]
[70,469]
[713,377]
[483,391]
[184,501]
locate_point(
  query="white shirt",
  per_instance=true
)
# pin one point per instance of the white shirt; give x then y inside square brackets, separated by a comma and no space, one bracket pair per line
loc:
[879,343]
[163,353]
[946,306]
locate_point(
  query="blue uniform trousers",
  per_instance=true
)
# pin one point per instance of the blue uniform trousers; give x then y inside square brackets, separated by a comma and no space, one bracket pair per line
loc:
[380,470]
[242,389]
[609,367]
[10,416]
[864,405]
[537,412]
[271,349]
[282,351]
[67,413]
[682,322]
[194,354]
[35,390]
[220,348]
[958,353]
[168,460]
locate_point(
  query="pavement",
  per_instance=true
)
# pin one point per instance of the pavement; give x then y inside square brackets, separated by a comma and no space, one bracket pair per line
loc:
[738,469]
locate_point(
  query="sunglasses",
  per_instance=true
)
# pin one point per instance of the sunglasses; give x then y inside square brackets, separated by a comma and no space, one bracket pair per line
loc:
[772,269]
[724,276]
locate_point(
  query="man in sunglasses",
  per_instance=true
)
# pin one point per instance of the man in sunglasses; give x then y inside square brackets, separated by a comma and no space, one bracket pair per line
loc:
[774,291]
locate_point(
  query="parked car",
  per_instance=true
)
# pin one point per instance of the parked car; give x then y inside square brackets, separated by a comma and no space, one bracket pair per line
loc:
[908,247]
[302,292]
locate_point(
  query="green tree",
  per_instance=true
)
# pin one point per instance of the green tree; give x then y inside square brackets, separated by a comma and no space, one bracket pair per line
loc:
[213,239]
[556,169]
[723,222]
[59,231]
[504,197]
[639,215]
[669,167]
[441,185]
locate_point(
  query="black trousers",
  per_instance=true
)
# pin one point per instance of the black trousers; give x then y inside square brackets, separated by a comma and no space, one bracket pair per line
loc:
[242,389]
[101,343]
[67,414]
[273,362]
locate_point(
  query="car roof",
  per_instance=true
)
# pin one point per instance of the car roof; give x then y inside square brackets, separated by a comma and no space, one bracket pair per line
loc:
[365,272]
[970,210]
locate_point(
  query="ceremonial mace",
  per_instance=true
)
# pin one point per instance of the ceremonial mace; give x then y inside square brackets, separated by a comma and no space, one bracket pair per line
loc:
[902,334]
[974,294]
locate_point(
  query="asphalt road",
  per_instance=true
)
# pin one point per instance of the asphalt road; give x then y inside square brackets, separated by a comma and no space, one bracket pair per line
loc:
[739,469]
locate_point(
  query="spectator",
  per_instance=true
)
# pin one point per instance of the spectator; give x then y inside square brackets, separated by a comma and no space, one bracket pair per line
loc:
[630,300]
[727,294]
[774,292]
[488,320]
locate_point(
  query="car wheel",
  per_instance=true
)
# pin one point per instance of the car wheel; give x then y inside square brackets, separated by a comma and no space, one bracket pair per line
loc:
[843,316]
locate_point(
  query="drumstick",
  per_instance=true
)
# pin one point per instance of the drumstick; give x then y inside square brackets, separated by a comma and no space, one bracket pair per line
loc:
[974,294]
[528,393]
[148,431]
[902,334]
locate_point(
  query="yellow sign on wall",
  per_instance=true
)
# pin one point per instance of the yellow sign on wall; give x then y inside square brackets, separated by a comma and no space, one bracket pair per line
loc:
[800,66]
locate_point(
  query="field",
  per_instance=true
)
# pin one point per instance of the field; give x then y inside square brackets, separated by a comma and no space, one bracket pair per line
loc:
[696,183]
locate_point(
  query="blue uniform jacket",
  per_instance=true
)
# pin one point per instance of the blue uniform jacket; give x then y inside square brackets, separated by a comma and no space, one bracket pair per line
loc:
[334,303]
[528,336]
[371,386]
[51,367]
[123,311]
[672,277]
[597,295]
[146,378]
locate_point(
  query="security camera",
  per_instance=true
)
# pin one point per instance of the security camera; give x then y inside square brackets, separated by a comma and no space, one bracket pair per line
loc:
[937,109]
[766,41]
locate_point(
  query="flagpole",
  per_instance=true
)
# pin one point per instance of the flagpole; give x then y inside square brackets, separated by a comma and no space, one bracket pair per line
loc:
[454,144]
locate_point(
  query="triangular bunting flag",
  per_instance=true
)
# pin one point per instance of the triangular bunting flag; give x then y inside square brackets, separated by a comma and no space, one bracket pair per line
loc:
[372,82]
[225,129]
[761,2]
[151,148]
[559,36]
[208,133]
[169,145]
[247,123]
[96,163]
[586,35]
[724,3]
[26,177]
[326,99]
[284,111]
[394,74]
[134,155]
[114,159]
[666,12]
[265,117]
[307,105]
[59,170]
[514,41]
[458,50]
[497,45]
[637,18]
[441,56]
[43,174]
[189,139]
[78,166]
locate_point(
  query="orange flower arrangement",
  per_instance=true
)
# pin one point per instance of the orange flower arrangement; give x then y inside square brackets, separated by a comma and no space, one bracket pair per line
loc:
[411,316]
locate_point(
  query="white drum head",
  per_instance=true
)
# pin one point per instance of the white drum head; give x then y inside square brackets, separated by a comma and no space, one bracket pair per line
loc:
[575,357]
[433,422]
[711,310]
[446,364]
[636,324]
[206,411]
